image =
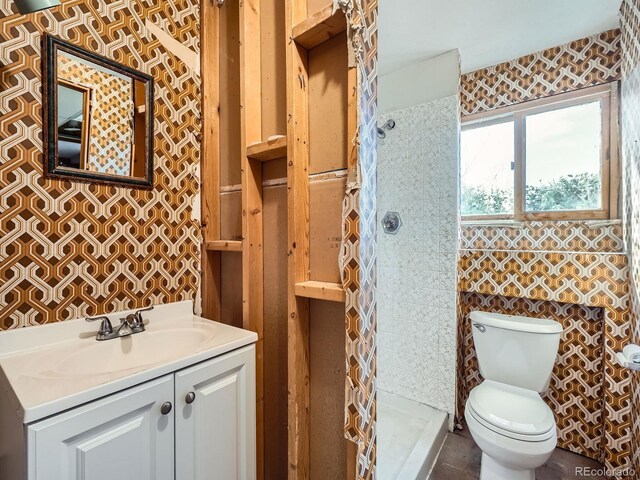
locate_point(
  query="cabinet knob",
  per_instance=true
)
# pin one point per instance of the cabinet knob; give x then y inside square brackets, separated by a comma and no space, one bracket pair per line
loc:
[190,398]
[166,408]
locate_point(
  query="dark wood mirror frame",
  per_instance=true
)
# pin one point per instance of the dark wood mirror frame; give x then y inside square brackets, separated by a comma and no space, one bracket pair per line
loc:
[52,168]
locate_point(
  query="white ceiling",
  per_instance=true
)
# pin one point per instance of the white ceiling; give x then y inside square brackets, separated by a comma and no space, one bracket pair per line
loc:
[486,32]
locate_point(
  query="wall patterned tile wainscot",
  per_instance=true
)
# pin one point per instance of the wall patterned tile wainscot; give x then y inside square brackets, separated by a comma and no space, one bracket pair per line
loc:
[544,236]
[576,389]
[70,249]
[583,284]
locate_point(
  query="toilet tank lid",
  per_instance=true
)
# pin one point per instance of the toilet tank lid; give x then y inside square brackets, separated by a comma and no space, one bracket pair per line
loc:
[517,323]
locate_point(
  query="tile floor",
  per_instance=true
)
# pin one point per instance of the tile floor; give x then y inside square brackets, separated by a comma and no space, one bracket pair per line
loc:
[460,460]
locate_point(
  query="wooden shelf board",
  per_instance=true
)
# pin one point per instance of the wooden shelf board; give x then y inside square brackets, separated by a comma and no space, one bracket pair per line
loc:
[269,150]
[224,245]
[332,292]
[320,27]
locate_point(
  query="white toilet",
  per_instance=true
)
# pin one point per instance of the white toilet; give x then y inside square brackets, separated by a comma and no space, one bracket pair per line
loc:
[508,420]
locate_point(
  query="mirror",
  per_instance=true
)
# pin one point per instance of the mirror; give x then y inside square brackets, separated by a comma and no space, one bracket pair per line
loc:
[98,118]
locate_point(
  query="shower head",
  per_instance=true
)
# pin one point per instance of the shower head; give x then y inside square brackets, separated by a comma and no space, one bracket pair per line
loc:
[381,133]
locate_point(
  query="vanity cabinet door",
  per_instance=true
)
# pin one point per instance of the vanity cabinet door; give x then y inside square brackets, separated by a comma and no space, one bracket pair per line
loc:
[123,436]
[216,419]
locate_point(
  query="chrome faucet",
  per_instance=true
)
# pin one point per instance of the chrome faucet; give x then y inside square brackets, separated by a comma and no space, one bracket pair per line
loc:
[135,320]
[124,330]
[106,329]
[133,323]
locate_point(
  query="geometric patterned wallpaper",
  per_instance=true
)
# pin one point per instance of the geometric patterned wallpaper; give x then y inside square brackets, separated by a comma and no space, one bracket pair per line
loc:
[69,249]
[571,271]
[358,254]
[552,236]
[630,139]
[582,63]
[547,279]
[575,391]
[111,115]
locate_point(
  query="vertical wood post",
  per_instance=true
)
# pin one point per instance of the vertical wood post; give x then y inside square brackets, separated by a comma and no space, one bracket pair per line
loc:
[252,217]
[210,156]
[298,243]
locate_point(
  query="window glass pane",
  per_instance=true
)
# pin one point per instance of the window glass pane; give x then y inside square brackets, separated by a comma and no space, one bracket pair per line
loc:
[563,159]
[486,170]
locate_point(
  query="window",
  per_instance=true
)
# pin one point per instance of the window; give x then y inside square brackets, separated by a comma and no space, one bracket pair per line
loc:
[542,160]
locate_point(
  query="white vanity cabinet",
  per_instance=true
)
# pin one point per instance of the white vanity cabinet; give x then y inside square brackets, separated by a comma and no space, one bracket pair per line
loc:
[123,436]
[215,419]
[207,433]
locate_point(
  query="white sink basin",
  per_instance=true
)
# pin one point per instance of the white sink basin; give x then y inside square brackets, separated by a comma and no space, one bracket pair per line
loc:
[132,352]
[57,366]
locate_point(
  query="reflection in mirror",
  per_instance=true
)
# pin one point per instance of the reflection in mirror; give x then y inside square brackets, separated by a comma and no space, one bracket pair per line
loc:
[99,118]
[110,118]
[74,103]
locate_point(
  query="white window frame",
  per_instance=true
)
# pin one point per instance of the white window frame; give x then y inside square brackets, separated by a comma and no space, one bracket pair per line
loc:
[609,163]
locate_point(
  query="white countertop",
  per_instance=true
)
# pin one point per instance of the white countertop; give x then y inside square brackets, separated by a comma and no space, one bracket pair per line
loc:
[51,368]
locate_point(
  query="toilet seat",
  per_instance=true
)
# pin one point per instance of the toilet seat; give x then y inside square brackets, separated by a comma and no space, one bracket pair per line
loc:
[510,435]
[511,411]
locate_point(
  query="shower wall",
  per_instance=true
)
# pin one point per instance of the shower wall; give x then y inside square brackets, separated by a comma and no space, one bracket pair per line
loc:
[418,178]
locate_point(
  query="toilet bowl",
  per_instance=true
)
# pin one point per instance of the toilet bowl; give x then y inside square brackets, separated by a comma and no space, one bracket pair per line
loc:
[515,430]
[507,418]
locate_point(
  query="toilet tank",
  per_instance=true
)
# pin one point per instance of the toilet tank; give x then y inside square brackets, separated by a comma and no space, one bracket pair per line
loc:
[518,351]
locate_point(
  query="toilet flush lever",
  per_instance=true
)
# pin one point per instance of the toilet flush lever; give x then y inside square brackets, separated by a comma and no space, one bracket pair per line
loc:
[480,327]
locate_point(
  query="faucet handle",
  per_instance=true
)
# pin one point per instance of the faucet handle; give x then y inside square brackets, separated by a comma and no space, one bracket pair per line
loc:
[135,318]
[105,326]
[138,313]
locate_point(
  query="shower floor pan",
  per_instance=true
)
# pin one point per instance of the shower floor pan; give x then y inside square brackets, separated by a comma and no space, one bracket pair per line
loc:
[410,436]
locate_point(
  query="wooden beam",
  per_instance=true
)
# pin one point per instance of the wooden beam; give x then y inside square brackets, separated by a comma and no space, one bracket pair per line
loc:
[332,292]
[319,27]
[210,157]
[223,245]
[298,363]
[252,227]
[269,150]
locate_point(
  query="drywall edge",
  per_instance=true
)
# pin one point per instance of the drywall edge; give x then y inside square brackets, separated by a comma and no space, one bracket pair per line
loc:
[419,83]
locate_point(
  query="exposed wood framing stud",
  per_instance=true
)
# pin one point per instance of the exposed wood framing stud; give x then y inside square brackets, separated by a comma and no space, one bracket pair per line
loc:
[251,151]
[332,292]
[319,28]
[210,157]
[223,245]
[298,240]
[252,226]
[269,150]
